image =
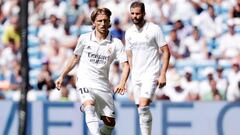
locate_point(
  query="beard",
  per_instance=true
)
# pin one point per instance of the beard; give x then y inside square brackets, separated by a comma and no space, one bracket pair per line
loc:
[103,31]
[137,21]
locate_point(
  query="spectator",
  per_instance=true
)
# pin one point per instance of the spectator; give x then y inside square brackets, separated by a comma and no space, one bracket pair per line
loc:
[118,8]
[182,9]
[194,46]
[167,11]
[205,87]
[213,94]
[233,73]
[10,53]
[161,94]
[56,7]
[222,83]
[15,76]
[182,30]
[36,13]
[209,23]
[117,31]
[176,92]
[154,12]
[68,41]
[12,31]
[56,55]
[10,7]
[174,44]
[45,81]
[233,92]
[196,5]
[229,43]
[73,13]
[209,90]
[53,29]
[86,11]
[190,85]
[235,11]
[10,78]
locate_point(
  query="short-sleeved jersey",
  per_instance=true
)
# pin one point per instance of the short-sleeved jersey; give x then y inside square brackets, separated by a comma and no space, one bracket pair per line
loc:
[145,44]
[96,57]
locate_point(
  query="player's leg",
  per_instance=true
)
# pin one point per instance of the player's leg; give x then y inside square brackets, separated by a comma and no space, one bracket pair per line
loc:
[142,103]
[108,126]
[92,120]
[106,110]
[91,117]
[136,93]
[145,116]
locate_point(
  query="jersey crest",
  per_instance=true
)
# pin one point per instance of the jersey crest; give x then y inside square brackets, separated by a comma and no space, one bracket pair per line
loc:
[109,51]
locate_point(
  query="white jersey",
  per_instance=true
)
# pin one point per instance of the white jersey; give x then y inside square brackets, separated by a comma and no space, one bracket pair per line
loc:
[96,57]
[145,44]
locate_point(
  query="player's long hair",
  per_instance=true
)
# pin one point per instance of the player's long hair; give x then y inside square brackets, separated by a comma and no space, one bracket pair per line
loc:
[99,11]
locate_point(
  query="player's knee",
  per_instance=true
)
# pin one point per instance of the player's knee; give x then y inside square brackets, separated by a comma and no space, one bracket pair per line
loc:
[88,103]
[108,121]
[90,114]
[108,127]
[144,102]
[145,114]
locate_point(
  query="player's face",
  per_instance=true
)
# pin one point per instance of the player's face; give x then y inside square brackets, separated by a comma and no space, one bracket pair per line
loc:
[137,15]
[102,23]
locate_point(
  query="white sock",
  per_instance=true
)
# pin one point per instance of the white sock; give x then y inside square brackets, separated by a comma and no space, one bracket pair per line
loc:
[106,130]
[92,120]
[145,120]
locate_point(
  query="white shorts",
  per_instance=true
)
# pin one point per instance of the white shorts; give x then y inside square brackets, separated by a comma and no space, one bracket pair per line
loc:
[145,89]
[103,100]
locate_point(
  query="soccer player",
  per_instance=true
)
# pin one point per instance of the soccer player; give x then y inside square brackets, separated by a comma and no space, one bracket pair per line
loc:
[144,45]
[94,53]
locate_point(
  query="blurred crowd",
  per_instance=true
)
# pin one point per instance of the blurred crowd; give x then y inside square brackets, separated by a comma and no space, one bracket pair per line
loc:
[203,37]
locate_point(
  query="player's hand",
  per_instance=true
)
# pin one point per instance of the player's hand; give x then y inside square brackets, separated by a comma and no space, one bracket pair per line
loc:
[161,81]
[58,82]
[120,89]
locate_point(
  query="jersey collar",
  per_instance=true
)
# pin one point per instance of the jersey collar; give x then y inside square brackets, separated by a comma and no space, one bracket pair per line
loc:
[142,29]
[108,39]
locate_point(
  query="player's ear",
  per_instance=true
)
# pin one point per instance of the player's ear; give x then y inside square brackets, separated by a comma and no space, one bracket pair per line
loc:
[93,26]
[110,25]
[144,13]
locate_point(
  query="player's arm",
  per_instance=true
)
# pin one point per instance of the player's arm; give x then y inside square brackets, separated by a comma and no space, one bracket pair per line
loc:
[165,62]
[124,76]
[128,48]
[129,57]
[71,63]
